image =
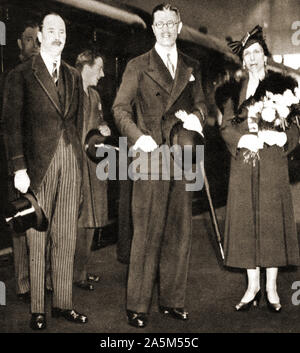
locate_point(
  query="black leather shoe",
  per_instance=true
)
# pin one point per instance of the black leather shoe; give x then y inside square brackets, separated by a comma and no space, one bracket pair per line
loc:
[135,319]
[241,306]
[84,285]
[38,321]
[70,315]
[176,313]
[25,297]
[273,307]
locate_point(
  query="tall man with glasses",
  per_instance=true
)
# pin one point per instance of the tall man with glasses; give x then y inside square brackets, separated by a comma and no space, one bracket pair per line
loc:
[154,87]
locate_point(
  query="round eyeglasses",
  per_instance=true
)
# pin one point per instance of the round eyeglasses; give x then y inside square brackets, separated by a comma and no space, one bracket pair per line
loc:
[169,24]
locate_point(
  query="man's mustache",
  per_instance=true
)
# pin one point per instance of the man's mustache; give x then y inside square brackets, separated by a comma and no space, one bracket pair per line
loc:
[57,42]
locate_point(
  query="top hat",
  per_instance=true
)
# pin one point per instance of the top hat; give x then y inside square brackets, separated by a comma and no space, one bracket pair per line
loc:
[25,213]
[94,140]
[184,138]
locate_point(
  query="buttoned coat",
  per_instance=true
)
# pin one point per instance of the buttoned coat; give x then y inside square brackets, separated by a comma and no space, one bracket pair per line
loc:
[34,120]
[146,104]
[148,96]
[260,229]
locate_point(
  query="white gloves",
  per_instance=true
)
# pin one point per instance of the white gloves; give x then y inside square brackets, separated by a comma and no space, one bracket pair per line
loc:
[251,142]
[190,121]
[256,142]
[273,137]
[22,181]
[104,130]
[145,143]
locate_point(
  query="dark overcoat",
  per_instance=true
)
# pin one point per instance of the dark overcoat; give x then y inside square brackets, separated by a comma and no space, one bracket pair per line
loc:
[33,127]
[145,104]
[260,228]
[94,211]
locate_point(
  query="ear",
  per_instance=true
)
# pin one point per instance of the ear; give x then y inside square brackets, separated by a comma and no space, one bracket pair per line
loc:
[19,43]
[153,27]
[179,27]
[39,35]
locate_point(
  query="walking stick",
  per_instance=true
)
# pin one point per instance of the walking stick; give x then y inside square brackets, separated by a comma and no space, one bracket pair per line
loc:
[213,214]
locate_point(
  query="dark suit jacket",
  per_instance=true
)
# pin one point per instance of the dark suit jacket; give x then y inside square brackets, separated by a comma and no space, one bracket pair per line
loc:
[34,120]
[148,96]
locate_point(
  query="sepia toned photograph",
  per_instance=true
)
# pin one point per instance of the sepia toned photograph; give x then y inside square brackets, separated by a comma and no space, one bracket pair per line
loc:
[149,170]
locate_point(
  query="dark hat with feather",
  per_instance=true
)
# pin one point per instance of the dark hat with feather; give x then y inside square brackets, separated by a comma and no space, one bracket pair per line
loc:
[254,36]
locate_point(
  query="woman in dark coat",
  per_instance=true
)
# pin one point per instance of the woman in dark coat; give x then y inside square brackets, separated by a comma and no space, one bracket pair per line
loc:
[260,230]
[94,211]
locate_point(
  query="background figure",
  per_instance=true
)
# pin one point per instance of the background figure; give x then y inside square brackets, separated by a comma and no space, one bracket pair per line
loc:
[156,85]
[260,230]
[28,44]
[42,112]
[94,212]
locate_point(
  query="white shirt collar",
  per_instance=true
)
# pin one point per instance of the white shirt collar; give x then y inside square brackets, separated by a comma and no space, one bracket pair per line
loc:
[48,60]
[162,52]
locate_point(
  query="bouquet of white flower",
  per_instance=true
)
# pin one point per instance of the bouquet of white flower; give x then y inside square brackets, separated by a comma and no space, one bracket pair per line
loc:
[275,111]
[267,115]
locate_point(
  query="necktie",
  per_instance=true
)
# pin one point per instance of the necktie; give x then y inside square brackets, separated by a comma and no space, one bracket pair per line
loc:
[54,73]
[170,66]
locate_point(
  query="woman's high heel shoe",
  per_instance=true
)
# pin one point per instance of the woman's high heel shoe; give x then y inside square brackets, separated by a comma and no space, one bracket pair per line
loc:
[273,307]
[241,306]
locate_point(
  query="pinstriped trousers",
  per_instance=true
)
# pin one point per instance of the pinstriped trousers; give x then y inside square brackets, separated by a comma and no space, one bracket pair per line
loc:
[21,263]
[59,198]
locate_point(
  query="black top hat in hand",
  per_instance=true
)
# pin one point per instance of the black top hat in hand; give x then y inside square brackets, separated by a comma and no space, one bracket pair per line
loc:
[93,140]
[183,138]
[25,213]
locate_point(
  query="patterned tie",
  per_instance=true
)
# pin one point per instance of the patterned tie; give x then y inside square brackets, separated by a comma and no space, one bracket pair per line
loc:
[170,66]
[54,73]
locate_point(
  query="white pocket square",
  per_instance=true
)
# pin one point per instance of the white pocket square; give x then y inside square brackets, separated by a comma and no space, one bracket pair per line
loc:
[192,78]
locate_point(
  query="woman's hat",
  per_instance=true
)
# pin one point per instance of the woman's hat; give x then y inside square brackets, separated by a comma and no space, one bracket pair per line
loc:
[25,213]
[254,36]
[94,140]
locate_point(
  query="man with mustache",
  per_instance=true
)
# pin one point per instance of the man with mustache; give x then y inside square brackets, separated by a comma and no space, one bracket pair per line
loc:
[42,111]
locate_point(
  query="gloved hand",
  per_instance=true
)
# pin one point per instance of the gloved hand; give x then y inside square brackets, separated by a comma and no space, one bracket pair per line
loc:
[22,181]
[104,130]
[190,121]
[145,143]
[272,138]
[251,142]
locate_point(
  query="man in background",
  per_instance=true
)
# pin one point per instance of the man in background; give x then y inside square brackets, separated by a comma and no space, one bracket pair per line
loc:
[28,44]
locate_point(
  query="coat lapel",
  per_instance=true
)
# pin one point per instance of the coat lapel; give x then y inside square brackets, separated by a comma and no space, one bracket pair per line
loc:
[69,87]
[45,80]
[182,77]
[158,71]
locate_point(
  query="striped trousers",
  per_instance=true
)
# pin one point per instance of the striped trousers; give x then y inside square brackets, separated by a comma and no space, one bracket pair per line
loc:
[21,263]
[59,197]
